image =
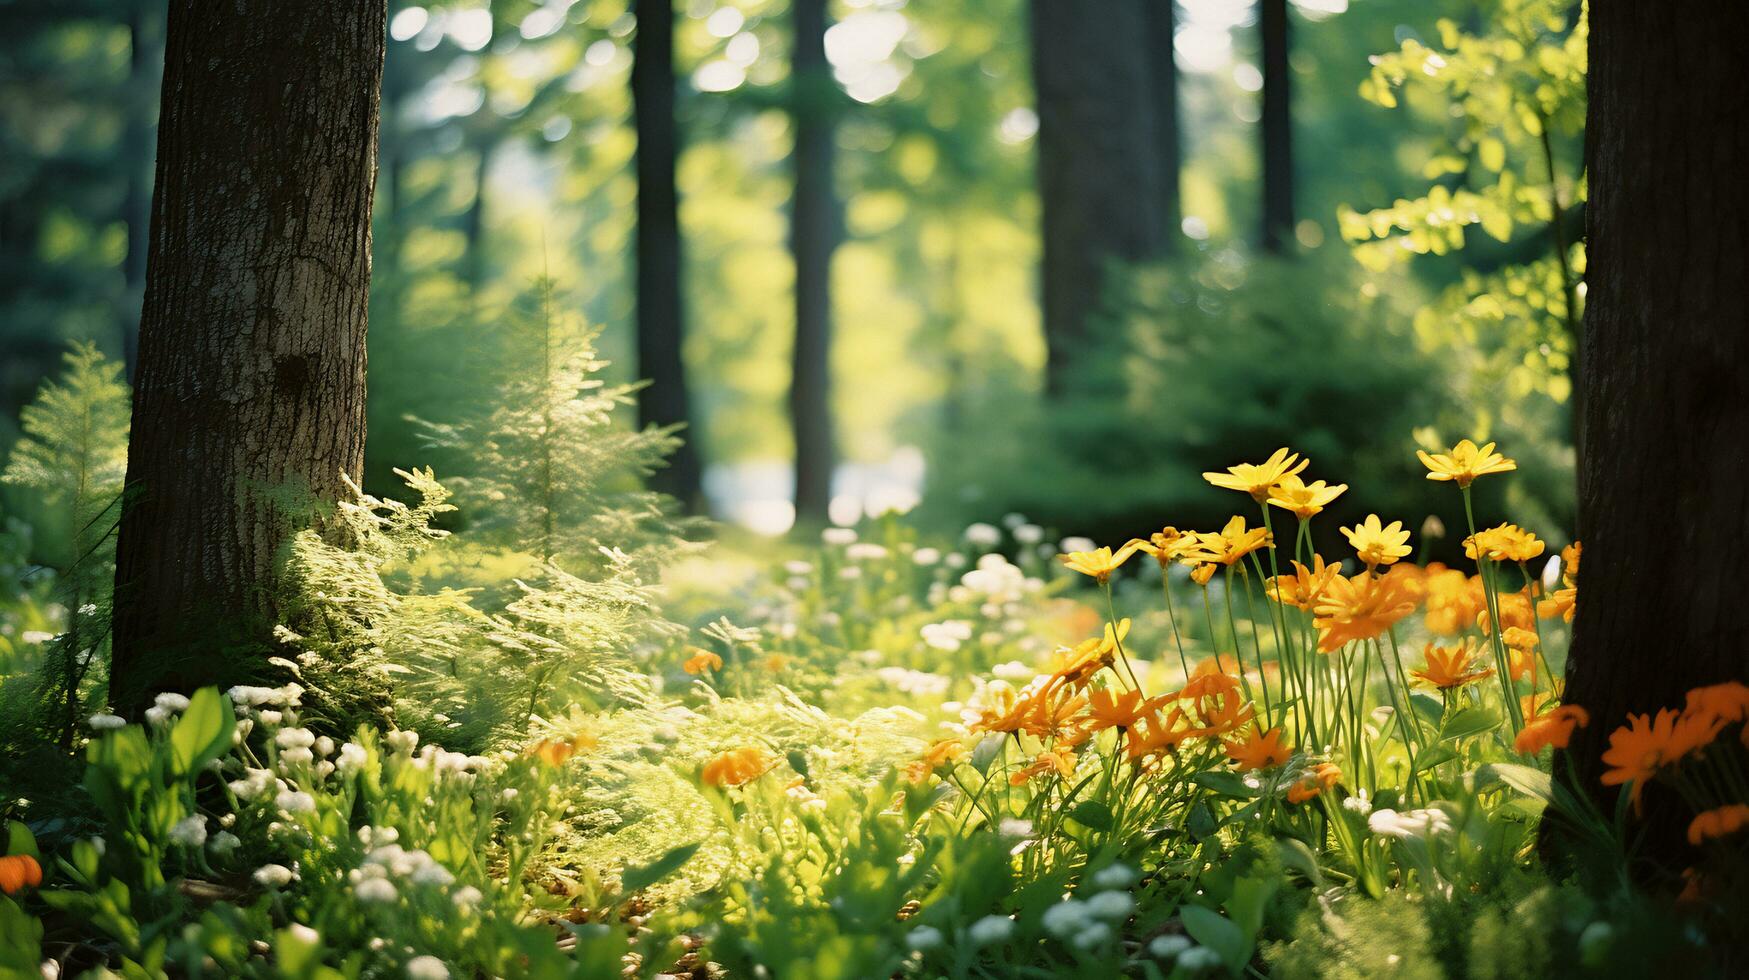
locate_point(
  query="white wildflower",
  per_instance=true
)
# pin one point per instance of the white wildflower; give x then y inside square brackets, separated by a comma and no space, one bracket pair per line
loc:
[106,722]
[1115,905]
[1115,876]
[1094,936]
[1066,917]
[991,929]
[376,890]
[273,875]
[982,536]
[426,968]
[839,535]
[223,843]
[924,937]
[189,831]
[1167,947]
[1409,823]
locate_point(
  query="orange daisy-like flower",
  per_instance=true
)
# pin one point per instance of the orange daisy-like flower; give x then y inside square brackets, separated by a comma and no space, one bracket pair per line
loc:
[1358,608]
[1508,542]
[1305,586]
[702,661]
[1520,639]
[1464,463]
[1552,729]
[1561,602]
[1727,702]
[1058,760]
[737,767]
[1228,545]
[1256,479]
[555,751]
[941,755]
[1316,780]
[1115,709]
[1216,700]
[1515,612]
[18,872]
[1100,562]
[1155,734]
[1202,573]
[1720,822]
[1259,750]
[1075,666]
[1303,500]
[1376,543]
[1643,747]
[1449,667]
[1454,599]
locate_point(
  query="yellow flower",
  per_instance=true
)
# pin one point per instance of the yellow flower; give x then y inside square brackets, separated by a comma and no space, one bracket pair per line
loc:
[737,767]
[1449,667]
[1304,499]
[1305,586]
[1228,545]
[1259,750]
[1099,563]
[1202,573]
[1508,542]
[1075,666]
[554,751]
[1359,608]
[1378,544]
[1165,544]
[1257,478]
[1464,463]
[701,661]
[1060,760]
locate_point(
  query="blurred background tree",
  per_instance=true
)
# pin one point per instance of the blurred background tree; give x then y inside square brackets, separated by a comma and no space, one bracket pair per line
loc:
[509,152]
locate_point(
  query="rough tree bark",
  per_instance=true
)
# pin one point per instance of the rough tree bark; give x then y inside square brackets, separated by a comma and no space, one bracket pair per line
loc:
[1662,496]
[145,64]
[664,401]
[1276,129]
[1098,144]
[813,236]
[249,406]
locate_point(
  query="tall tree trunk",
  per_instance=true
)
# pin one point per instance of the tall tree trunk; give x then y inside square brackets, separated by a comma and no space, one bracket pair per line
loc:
[1276,130]
[249,409]
[145,64]
[664,401]
[813,236]
[1099,183]
[474,218]
[1665,368]
[1162,33]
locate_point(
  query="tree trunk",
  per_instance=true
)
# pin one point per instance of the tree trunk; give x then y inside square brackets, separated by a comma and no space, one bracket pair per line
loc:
[145,64]
[1665,368]
[1162,34]
[813,236]
[249,408]
[1276,130]
[1098,143]
[664,401]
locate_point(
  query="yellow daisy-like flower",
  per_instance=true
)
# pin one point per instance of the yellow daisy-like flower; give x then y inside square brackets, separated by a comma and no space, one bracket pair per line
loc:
[1464,463]
[737,767]
[1508,542]
[1166,544]
[1228,545]
[1303,499]
[701,661]
[1449,667]
[1257,478]
[1305,586]
[1101,562]
[1376,543]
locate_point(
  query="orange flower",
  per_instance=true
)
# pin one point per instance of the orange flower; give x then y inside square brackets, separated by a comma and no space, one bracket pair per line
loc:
[1077,665]
[737,767]
[1515,611]
[1454,599]
[1115,709]
[1259,750]
[1154,735]
[1305,586]
[1727,702]
[1554,728]
[1716,823]
[1228,545]
[18,872]
[1256,479]
[1520,639]
[1202,573]
[775,663]
[554,751]
[1099,563]
[701,661]
[1358,608]
[1059,760]
[1449,667]
[1560,602]
[1570,563]
[1316,780]
[941,755]
[1646,745]
[1217,702]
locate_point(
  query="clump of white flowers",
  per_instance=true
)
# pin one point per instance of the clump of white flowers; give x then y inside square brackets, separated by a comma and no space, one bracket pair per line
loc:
[189,831]
[1409,823]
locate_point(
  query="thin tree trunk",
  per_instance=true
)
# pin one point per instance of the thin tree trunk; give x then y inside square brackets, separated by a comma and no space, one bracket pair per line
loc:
[474,218]
[145,64]
[813,236]
[1665,368]
[249,409]
[664,401]
[1099,183]
[1162,32]
[1276,129]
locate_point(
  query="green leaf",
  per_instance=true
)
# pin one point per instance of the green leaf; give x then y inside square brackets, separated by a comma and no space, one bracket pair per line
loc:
[1297,855]
[1201,822]
[19,840]
[1428,707]
[1466,722]
[1225,783]
[639,878]
[1433,757]
[1092,813]
[1222,935]
[1531,782]
[203,732]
